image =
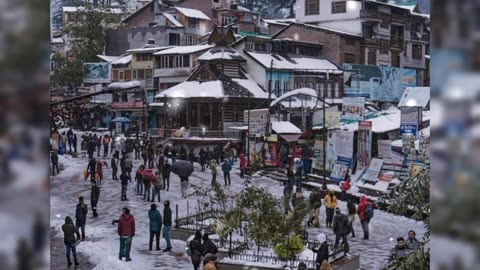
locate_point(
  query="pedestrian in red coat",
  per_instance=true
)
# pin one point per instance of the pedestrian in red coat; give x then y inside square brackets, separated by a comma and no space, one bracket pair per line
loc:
[126,231]
[243,165]
[344,187]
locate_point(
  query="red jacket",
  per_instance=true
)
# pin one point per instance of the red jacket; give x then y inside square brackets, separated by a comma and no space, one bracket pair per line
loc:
[362,207]
[126,225]
[243,162]
[346,185]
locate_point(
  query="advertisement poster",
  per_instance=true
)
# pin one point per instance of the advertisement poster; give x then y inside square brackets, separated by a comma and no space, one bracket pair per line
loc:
[415,169]
[258,121]
[339,171]
[377,83]
[364,145]
[373,170]
[397,156]
[384,149]
[331,151]
[424,148]
[343,143]
[409,151]
[332,117]
[96,73]
[353,108]
[318,153]
[271,155]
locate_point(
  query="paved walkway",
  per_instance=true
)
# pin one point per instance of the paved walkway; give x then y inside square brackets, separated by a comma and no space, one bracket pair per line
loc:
[57,255]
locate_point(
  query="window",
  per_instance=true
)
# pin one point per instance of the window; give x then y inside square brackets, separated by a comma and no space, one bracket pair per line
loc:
[372,57]
[286,86]
[115,75]
[128,75]
[190,40]
[141,74]
[173,61]
[174,39]
[228,19]
[260,47]
[194,22]
[312,7]
[142,57]
[148,74]
[186,60]
[339,7]
[385,24]
[395,60]
[349,58]
[120,76]
[277,88]
[350,42]
[417,52]
[384,46]
[250,46]
[134,74]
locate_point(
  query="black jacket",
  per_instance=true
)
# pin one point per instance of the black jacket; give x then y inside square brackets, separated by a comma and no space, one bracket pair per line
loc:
[209,247]
[54,157]
[322,252]
[81,214]
[167,216]
[124,179]
[340,224]
[352,210]
[315,200]
[92,165]
[68,231]
[95,193]
[196,248]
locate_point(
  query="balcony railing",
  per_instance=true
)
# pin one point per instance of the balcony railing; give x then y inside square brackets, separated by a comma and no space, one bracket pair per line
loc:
[370,14]
[397,18]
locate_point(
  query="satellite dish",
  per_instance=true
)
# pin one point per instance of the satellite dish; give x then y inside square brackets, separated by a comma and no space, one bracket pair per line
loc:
[418,35]
[375,30]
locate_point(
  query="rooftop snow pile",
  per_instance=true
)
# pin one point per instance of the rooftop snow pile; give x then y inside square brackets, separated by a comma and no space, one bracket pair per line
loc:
[105,10]
[285,127]
[124,85]
[290,101]
[221,53]
[107,58]
[295,63]
[184,49]
[147,48]
[172,19]
[123,60]
[192,13]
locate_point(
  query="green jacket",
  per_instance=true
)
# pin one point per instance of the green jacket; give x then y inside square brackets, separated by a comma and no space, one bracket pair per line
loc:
[68,231]
[213,166]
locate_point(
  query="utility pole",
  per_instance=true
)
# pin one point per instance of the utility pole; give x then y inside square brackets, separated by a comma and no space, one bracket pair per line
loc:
[248,130]
[144,111]
[324,186]
[268,131]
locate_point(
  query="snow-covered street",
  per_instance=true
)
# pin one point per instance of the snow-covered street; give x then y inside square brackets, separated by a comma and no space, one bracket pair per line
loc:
[102,242]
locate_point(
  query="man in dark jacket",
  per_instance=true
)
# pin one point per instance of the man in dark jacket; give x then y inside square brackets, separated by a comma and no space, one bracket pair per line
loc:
[208,245]
[54,158]
[69,239]
[209,156]
[92,166]
[352,211]
[322,251]
[124,179]
[70,139]
[340,228]
[99,145]
[191,156]
[399,251]
[74,142]
[151,156]
[91,147]
[196,250]
[226,168]
[126,231]
[114,166]
[167,225]
[95,194]
[155,225]
[202,158]
[81,218]
[314,202]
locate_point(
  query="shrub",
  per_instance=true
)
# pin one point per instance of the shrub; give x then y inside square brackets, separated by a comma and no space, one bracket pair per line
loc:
[290,249]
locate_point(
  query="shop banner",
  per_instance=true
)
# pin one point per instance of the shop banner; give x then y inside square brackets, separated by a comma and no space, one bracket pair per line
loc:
[384,149]
[96,73]
[339,171]
[353,108]
[343,143]
[373,170]
[258,121]
[364,144]
[271,155]
[408,149]
[318,152]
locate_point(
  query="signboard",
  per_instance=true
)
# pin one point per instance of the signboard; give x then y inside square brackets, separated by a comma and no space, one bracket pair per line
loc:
[318,153]
[332,117]
[343,143]
[353,108]
[384,149]
[364,144]
[415,97]
[339,171]
[409,129]
[377,83]
[258,121]
[96,73]
[373,170]
[408,149]
[271,157]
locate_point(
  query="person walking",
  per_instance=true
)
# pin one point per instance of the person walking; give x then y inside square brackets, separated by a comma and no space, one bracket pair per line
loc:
[209,156]
[226,168]
[74,142]
[80,218]
[136,148]
[167,225]
[99,145]
[213,167]
[151,155]
[106,142]
[157,186]
[126,231]
[340,229]
[352,211]
[184,186]
[99,176]
[297,199]
[160,162]
[70,139]
[202,157]
[345,186]
[322,250]
[94,196]
[399,251]
[208,245]
[139,179]
[124,180]
[166,171]
[114,166]
[69,240]
[196,250]
[147,184]
[155,225]
[287,196]
[298,171]
[330,202]
[315,202]
[54,159]
[191,156]
[243,165]
[290,172]
[91,148]
[91,167]
[365,213]
[128,164]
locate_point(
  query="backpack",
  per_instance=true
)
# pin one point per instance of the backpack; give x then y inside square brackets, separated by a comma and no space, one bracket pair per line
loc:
[369,211]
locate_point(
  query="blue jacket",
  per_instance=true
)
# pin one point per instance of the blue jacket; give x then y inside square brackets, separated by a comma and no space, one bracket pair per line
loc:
[155,220]
[226,167]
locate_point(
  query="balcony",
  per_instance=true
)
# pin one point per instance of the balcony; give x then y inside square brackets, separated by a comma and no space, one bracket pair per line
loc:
[370,15]
[371,41]
[398,19]
[397,43]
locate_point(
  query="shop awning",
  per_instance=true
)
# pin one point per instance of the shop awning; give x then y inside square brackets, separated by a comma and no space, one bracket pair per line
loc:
[290,137]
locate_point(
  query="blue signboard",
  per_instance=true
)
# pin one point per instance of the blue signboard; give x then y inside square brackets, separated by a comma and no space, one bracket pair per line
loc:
[409,128]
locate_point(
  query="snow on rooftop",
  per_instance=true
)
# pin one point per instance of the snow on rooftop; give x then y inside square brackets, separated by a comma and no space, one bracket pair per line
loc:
[220,53]
[302,91]
[333,30]
[124,85]
[148,49]
[57,40]
[285,127]
[123,60]
[253,87]
[193,89]
[184,49]
[105,10]
[172,19]
[295,63]
[192,13]
[107,58]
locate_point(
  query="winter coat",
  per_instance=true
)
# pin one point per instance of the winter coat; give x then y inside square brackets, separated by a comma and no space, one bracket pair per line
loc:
[91,146]
[113,163]
[209,154]
[346,185]
[213,166]
[297,199]
[95,193]
[126,225]
[299,168]
[191,156]
[81,214]
[106,141]
[92,165]
[330,201]
[412,243]
[398,252]
[196,248]
[210,266]
[155,220]
[139,176]
[202,156]
[226,167]
[209,247]
[362,207]
[340,224]
[128,163]
[315,200]
[243,162]
[322,251]
[167,216]
[351,208]
[158,182]
[54,157]
[166,168]
[124,179]
[68,231]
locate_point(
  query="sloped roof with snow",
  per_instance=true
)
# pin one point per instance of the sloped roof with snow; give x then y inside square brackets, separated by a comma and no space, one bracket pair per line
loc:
[192,13]
[104,10]
[172,20]
[107,58]
[221,53]
[285,127]
[123,60]
[297,63]
[148,49]
[184,49]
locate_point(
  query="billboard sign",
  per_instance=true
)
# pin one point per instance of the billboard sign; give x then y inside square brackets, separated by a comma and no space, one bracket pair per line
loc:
[96,73]
[258,121]
[377,83]
[353,108]
[364,144]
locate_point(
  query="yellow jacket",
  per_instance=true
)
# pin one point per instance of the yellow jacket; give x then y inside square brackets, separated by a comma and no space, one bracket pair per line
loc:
[330,202]
[209,266]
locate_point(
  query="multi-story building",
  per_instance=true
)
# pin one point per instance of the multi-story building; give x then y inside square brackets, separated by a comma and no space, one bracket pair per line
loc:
[392,34]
